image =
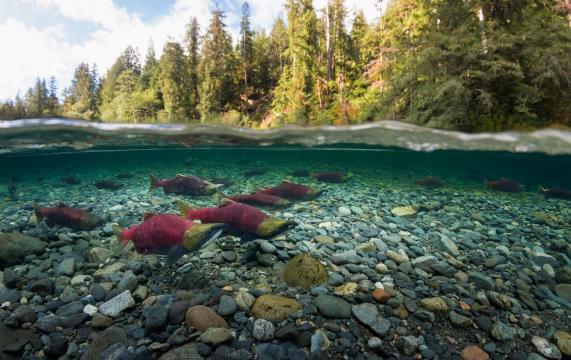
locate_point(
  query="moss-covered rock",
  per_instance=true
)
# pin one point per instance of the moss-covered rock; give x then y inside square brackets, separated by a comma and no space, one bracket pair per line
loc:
[274,308]
[304,271]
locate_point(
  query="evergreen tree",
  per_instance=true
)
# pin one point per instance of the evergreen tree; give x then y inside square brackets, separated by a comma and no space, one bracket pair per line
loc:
[173,79]
[277,51]
[80,98]
[217,69]
[295,94]
[128,60]
[246,50]
[53,100]
[193,50]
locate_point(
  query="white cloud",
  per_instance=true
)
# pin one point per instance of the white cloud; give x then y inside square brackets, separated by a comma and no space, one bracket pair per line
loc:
[30,52]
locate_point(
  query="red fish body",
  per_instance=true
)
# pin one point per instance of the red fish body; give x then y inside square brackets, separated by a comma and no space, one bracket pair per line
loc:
[556,192]
[331,177]
[163,233]
[260,199]
[505,185]
[292,191]
[241,217]
[76,219]
[184,185]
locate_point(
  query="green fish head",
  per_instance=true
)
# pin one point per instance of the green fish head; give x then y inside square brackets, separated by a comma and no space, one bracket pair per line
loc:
[200,235]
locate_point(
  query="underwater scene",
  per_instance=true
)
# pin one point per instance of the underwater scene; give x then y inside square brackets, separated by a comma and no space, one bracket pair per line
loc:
[230,246]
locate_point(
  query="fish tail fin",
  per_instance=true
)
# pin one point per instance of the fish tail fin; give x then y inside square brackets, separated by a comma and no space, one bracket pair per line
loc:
[37,211]
[221,196]
[225,202]
[120,233]
[541,189]
[153,182]
[183,207]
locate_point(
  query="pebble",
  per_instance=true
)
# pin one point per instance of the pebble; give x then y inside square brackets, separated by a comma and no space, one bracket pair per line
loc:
[216,336]
[333,306]
[117,305]
[227,305]
[545,348]
[263,330]
[473,352]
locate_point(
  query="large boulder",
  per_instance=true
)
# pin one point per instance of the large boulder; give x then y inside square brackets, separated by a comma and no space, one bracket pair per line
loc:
[14,247]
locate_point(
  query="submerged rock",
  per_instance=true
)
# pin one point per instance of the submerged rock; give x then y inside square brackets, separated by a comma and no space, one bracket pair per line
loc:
[202,317]
[117,305]
[404,211]
[333,307]
[14,247]
[275,308]
[304,271]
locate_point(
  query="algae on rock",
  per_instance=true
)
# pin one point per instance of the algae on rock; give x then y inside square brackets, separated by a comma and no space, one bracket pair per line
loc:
[304,271]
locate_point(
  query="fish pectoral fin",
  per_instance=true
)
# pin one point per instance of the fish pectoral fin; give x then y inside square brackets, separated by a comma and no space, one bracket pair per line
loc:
[174,254]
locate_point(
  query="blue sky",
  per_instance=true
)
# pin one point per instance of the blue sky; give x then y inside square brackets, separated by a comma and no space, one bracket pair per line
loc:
[43,38]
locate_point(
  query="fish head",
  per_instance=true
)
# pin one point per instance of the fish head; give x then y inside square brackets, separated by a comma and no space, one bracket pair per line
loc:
[91,221]
[200,235]
[313,193]
[273,227]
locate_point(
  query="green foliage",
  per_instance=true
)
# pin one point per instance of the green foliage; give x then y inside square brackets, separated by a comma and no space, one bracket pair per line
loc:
[455,64]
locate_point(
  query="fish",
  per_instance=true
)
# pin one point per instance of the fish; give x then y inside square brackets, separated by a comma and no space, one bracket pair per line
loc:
[292,191]
[254,172]
[332,176]
[76,219]
[241,218]
[107,184]
[124,176]
[430,182]
[260,199]
[184,185]
[555,192]
[70,180]
[300,173]
[169,235]
[505,185]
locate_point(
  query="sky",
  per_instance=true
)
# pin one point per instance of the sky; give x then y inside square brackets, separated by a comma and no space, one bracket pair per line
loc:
[44,38]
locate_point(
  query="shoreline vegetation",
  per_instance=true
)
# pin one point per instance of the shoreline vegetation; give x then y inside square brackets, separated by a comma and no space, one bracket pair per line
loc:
[485,65]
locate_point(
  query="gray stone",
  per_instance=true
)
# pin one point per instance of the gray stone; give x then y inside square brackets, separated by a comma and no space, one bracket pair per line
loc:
[155,318]
[128,282]
[502,332]
[408,344]
[425,262]
[216,336]
[117,305]
[481,281]
[368,314]
[263,330]
[14,247]
[460,320]
[333,306]
[227,305]
[564,291]
[545,348]
[66,267]
[448,245]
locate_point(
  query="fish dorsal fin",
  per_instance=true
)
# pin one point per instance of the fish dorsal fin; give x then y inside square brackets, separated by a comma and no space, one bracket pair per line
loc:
[183,207]
[148,215]
[226,202]
[60,204]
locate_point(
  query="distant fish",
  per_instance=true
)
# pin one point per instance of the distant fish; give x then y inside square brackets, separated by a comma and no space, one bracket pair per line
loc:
[239,217]
[124,176]
[76,219]
[254,172]
[556,192]
[107,185]
[12,189]
[259,199]
[430,182]
[169,235]
[300,173]
[71,180]
[292,191]
[332,176]
[505,185]
[184,185]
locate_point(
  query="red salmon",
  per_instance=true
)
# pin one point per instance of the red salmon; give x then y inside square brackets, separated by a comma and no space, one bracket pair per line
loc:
[184,185]
[505,185]
[76,219]
[332,176]
[169,234]
[292,191]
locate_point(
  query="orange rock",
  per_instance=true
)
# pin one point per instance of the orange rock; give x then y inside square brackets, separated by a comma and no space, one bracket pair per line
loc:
[473,352]
[381,295]
[464,306]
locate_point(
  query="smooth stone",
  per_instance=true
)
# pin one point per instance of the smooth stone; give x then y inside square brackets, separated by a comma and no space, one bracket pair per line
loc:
[128,282]
[481,281]
[404,211]
[564,291]
[304,271]
[202,317]
[102,342]
[368,314]
[227,305]
[274,308]
[244,300]
[65,268]
[319,342]
[115,306]
[216,336]
[324,239]
[473,352]
[269,351]
[263,330]
[460,320]
[155,318]
[502,332]
[545,348]
[434,304]
[15,247]
[563,341]
[333,306]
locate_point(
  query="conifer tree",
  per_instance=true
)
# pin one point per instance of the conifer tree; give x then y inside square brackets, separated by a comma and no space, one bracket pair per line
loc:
[193,50]
[173,79]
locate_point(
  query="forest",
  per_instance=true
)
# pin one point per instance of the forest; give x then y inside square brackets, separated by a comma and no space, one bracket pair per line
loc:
[470,65]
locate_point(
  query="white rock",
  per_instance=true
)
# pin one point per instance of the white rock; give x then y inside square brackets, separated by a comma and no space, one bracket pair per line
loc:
[404,211]
[343,211]
[546,348]
[90,309]
[118,304]
[116,208]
